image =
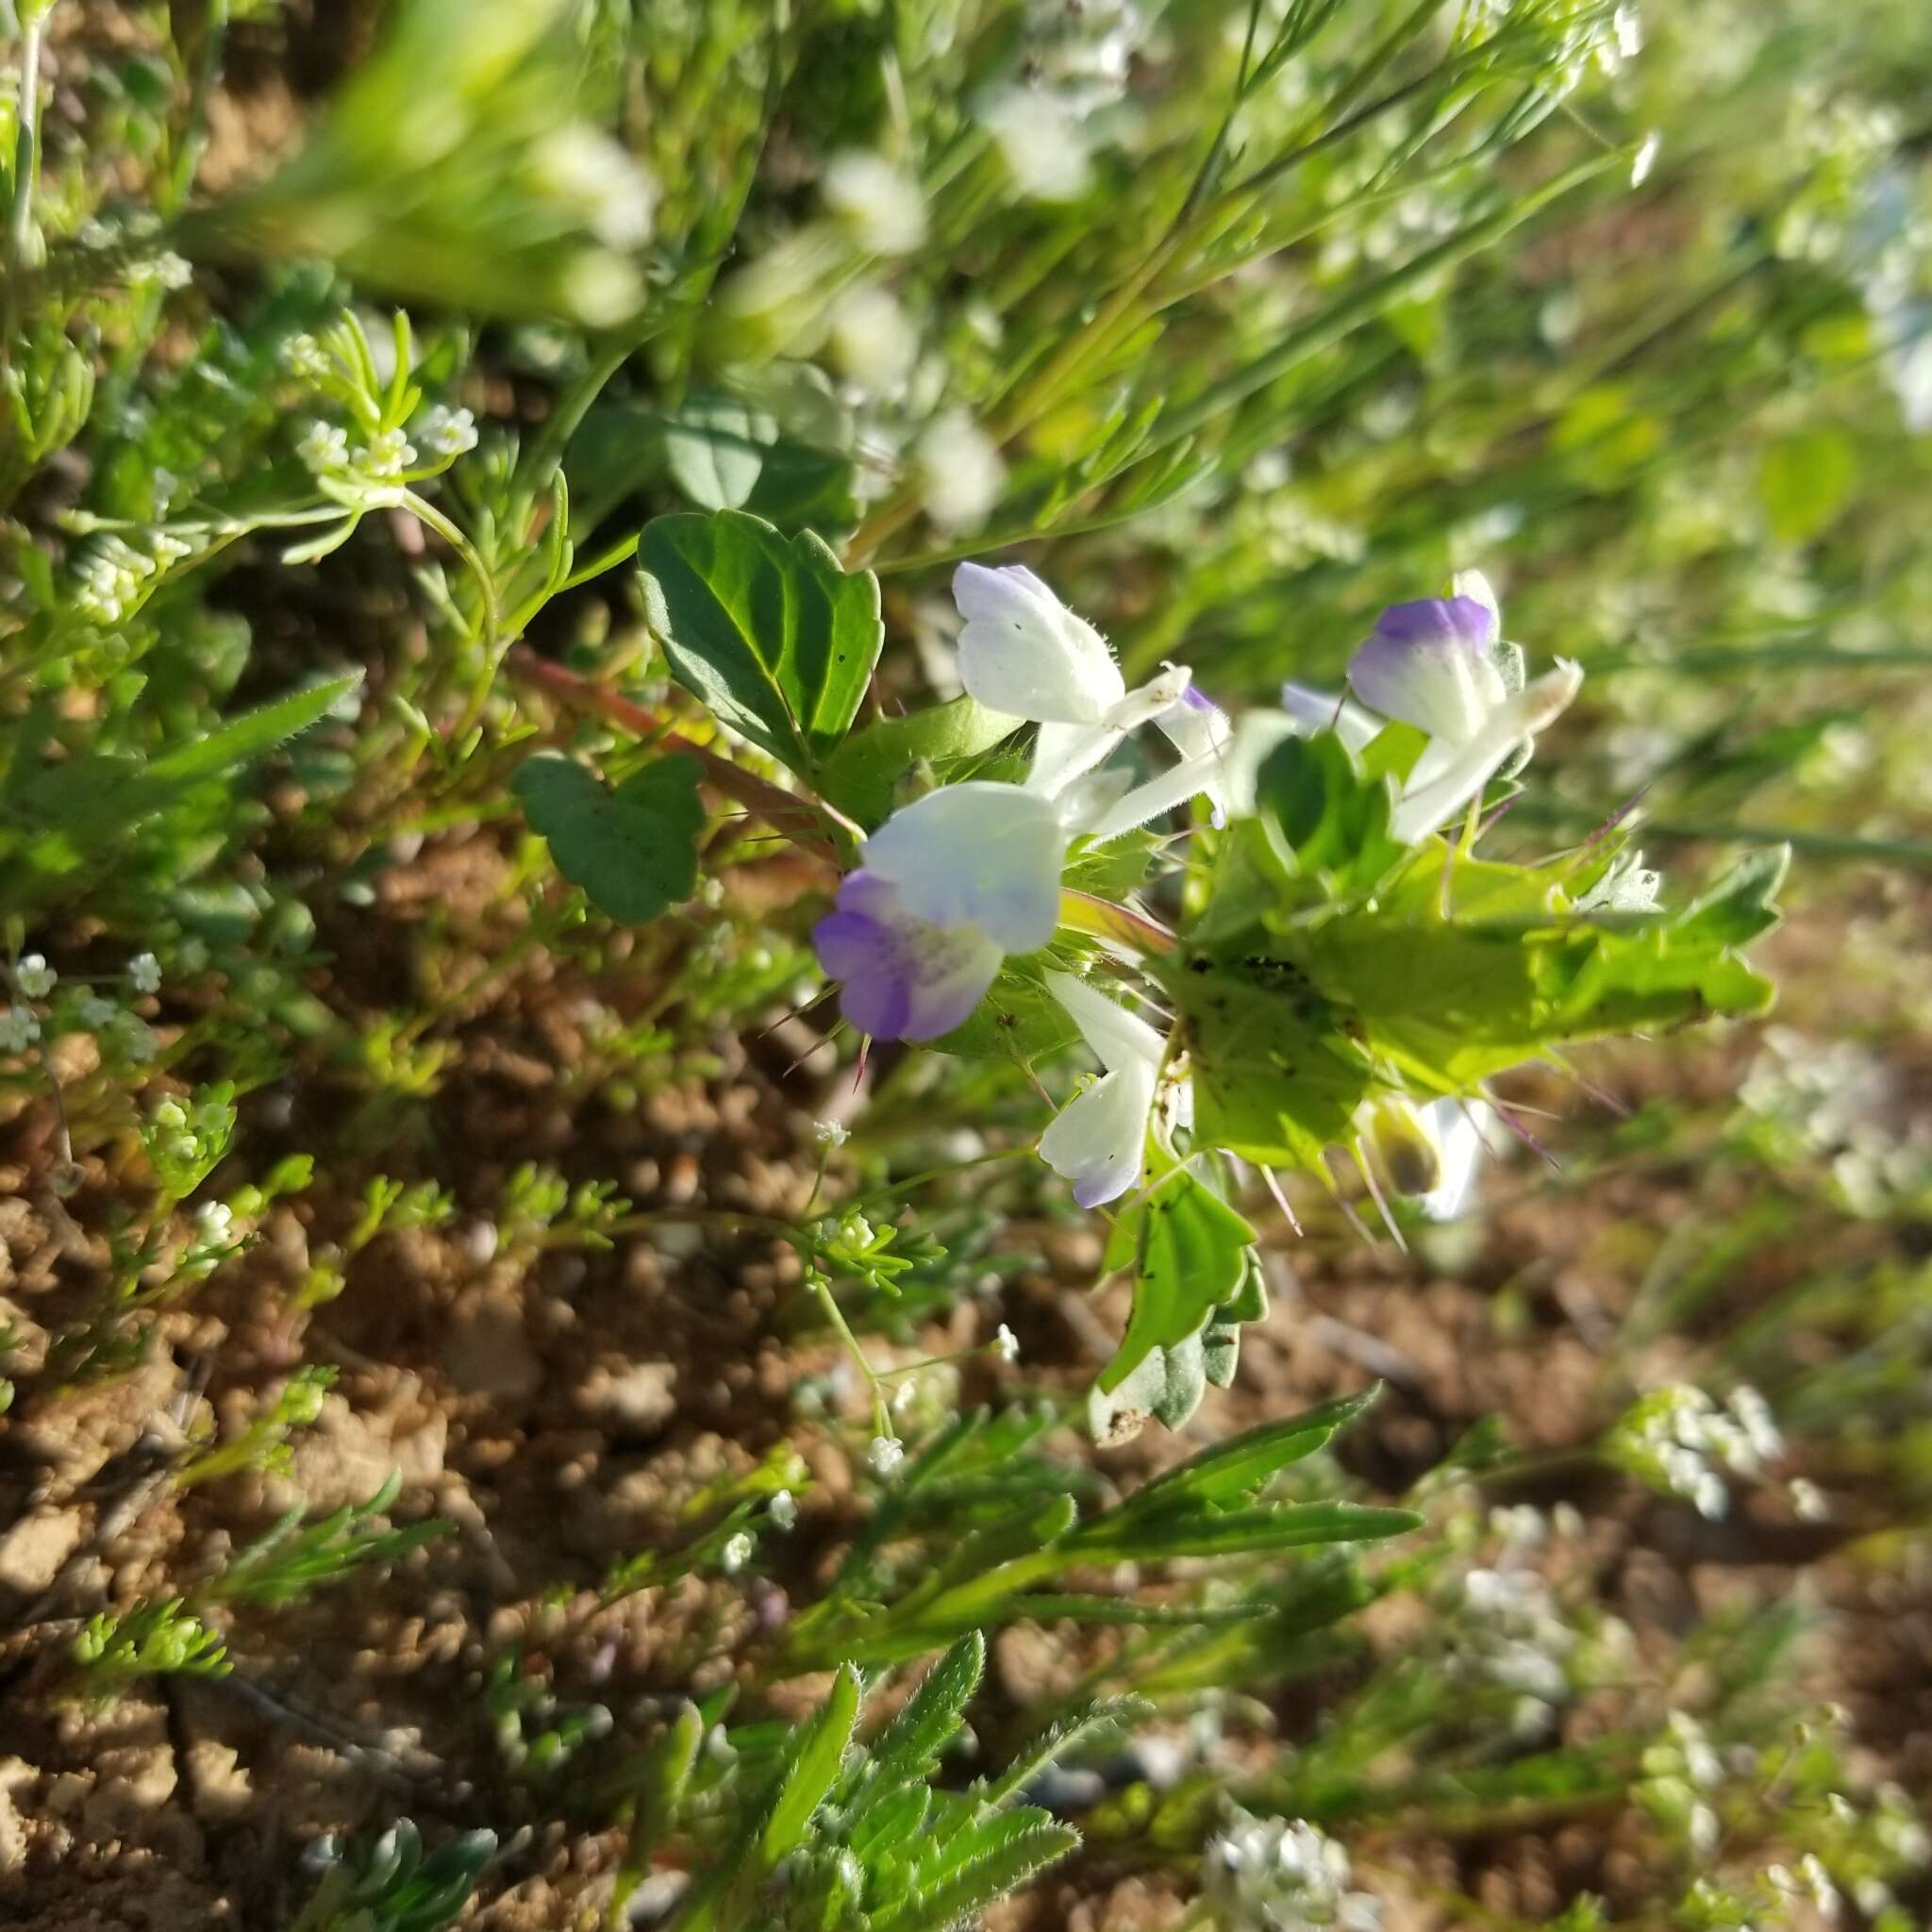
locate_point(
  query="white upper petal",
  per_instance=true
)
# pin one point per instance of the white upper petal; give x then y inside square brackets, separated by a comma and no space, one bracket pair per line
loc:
[1451,784]
[1096,1140]
[1118,1038]
[978,854]
[1022,652]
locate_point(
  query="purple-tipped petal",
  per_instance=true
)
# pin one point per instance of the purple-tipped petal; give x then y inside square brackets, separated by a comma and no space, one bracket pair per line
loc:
[1466,621]
[1430,664]
[902,978]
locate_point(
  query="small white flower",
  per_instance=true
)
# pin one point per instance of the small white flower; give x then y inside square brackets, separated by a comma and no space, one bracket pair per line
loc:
[875,341]
[302,357]
[168,268]
[18,1029]
[961,469]
[830,1133]
[1440,664]
[388,454]
[136,1039]
[884,1454]
[736,1552]
[783,1509]
[323,448]
[96,1012]
[586,167]
[214,1222]
[1644,159]
[1809,1502]
[1039,142]
[34,978]
[1430,1152]
[144,972]
[880,202]
[447,432]
[1006,1345]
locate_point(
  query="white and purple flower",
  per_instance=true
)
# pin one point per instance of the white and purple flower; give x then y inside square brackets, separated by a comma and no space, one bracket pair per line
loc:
[948,887]
[1440,665]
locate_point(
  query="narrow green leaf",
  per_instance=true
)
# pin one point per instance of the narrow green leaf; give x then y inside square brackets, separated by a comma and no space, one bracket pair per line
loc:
[1238,1532]
[1234,1472]
[811,1768]
[248,736]
[910,1746]
[1059,1738]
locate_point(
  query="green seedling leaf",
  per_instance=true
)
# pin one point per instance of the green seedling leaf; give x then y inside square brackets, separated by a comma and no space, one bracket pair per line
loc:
[246,737]
[1188,1250]
[1331,813]
[987,1859]
[99,795]
[862,776]
[715,449]
[633,850]
[765,629]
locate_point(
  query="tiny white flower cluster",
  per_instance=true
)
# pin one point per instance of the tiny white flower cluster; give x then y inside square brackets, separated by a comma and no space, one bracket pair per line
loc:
[600,177]
[445,432]
[304,359]
[1678,1769]
[1283,1875]
[783,1509]
[1685,1439]
[323,447]
[166,269]
[1840,1100]
[877,200]
[884,1454]
[736,1552]
[113,576]
[1811,1880]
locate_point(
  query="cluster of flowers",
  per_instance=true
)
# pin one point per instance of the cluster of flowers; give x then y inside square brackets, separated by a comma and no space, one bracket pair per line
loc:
[960,879]
[1505,1621]
[389,456]
[1678,1770]
[34,984]
[112,577]
[1683,1441]
[1283,1875]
